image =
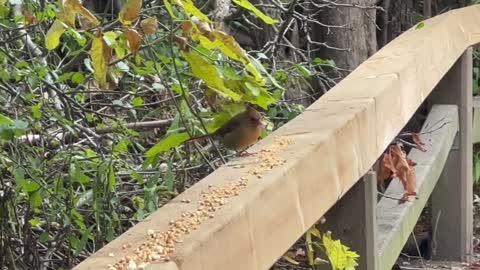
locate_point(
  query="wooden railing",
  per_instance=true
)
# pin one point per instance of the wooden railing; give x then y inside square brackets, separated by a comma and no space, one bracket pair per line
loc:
[321,160]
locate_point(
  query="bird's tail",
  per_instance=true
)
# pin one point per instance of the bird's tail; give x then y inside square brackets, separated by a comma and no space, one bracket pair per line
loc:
[198,137]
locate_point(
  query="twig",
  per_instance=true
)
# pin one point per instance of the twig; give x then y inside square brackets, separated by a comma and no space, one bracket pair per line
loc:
[418,249]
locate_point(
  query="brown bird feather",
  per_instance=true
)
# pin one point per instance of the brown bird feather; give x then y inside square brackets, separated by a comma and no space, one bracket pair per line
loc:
[240,132]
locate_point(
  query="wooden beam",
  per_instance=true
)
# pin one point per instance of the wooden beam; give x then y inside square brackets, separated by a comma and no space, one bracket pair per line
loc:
[333,143]
[353,221]
[452,200]
[396,221]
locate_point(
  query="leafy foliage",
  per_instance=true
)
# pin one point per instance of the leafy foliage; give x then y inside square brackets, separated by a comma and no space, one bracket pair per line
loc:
[339,256]
[95,106]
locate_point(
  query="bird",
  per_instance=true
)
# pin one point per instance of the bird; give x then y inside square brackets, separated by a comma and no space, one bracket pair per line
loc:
[240,132]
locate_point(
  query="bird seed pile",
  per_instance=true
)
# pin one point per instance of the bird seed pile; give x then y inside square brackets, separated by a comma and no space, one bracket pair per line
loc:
[160,246]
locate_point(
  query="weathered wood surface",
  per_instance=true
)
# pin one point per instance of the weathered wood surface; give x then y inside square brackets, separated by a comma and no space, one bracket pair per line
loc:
[334,142]
[395,221]
[476,119]
[353,220]
[451,202]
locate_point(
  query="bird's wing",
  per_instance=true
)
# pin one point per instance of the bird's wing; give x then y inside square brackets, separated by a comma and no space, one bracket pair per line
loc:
[229,126]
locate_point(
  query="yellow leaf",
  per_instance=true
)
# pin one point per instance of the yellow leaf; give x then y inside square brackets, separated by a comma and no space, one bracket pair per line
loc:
[339,255]
[4,8]
[130,11]
[52,39]
[248,6]
[204,70]
[78,8]
[191,9]
[134,39]
[100,54]
[149,25]
[70,8]
[168,6]
[66,13]
[229,46]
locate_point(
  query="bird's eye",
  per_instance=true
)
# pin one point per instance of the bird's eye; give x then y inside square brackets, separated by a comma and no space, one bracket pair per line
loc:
[253,119]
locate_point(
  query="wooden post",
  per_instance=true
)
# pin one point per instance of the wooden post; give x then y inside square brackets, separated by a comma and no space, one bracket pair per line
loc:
[451,200]
[427,8]
[476,119]
[352,220]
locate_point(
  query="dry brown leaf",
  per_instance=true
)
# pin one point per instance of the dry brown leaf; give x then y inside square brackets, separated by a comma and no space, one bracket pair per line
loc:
[182,42]
[399,160]
[30,18]
[385,168]
[187,26]
[418,142]
[394,163]
[206,30]
[134,40]
[130,11]
[149,25]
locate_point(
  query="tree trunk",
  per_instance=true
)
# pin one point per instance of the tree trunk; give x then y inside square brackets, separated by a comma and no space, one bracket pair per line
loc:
[350,34]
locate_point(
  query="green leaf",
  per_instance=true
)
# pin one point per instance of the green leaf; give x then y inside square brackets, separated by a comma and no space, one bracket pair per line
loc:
[170,141]
[475,88]
[310,250]
[4,75]
[112,179]
[169,179]
[83,242]
[45,237]
[168,6]
[110,38]
[138,101]
[305,72]
[79,38]
[477,168]
[77,173]
[122,145]
[254,89]
[35,199]
[248,6]
[36,110]
[420,25]
[22,64]
[204,70]
[191,9]
[5,120]
[339,255]
[4,8]
[52,38]
[34,222]
[78,78]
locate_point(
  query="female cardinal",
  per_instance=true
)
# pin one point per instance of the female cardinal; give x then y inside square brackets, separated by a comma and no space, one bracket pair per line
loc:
[241,131]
